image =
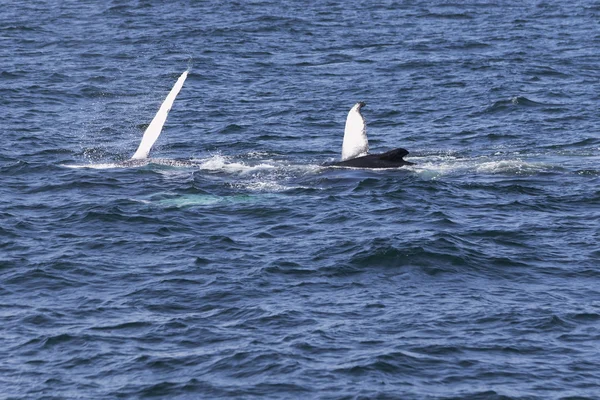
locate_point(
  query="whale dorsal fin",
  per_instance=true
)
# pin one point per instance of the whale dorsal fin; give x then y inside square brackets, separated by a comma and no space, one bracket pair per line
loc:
[155,127]
[355,134]
[395,155]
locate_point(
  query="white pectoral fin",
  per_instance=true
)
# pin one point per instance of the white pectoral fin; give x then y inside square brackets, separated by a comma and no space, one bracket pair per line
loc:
[153,131]
[355,135]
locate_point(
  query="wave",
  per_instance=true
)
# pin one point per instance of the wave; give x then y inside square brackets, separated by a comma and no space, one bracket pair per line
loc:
[518,102]
[432,167]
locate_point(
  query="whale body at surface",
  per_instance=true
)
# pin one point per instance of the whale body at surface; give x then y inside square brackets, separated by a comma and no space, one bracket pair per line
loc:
[355,146]
[390,159]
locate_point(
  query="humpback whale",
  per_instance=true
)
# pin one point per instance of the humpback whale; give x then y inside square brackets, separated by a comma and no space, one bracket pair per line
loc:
[355,147]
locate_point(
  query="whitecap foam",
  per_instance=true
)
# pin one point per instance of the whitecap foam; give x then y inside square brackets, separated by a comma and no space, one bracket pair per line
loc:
[508,167]
[93,166]
[436,166]
[222,163]
[264,186]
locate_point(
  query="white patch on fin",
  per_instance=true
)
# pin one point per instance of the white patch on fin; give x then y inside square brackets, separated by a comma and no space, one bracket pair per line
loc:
[355,142]
[155,127]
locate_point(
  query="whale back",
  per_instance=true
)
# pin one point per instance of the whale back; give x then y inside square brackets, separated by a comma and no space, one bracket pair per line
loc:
[355,142]
[396,155]
[153,131]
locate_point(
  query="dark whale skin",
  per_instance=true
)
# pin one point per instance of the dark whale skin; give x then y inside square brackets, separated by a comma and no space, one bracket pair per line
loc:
[390,159]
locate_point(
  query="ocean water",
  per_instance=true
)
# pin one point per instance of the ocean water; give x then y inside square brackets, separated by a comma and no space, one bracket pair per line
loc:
[235,264]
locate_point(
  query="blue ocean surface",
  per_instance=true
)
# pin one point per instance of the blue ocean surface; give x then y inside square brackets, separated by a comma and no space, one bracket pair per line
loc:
[234,263]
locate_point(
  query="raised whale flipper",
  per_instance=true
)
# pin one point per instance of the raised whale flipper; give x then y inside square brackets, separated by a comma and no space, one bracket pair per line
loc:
[155,127]
[355,142]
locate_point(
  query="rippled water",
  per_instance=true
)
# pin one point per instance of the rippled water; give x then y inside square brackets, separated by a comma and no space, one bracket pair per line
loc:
[235,264]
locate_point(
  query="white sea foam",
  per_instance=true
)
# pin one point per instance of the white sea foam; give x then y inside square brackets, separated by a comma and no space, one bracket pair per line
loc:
[509,167]
[436,166]
[262,186]
[222,163]
[92,166]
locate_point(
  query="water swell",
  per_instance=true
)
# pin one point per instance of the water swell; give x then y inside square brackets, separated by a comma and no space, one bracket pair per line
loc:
[520,103]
